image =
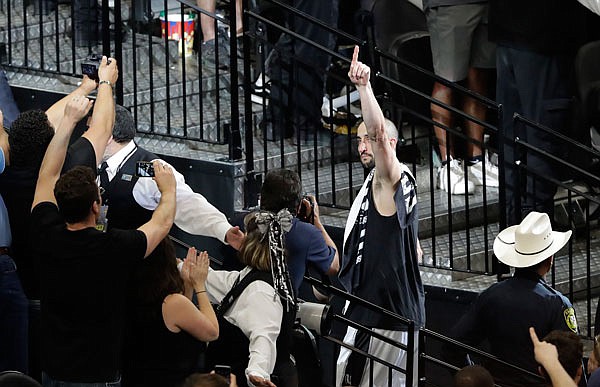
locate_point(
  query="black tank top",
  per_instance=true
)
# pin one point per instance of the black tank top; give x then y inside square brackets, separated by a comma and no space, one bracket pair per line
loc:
[384,271]
[155,356]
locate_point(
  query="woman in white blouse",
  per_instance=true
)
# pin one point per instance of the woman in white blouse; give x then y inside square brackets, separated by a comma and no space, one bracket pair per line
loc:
[255,315]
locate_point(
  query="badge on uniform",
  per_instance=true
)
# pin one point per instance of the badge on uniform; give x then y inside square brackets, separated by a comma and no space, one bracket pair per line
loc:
[126,177]
[570,319]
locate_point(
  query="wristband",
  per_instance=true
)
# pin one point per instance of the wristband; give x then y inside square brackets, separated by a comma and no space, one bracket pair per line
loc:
[200,291]
[105,82]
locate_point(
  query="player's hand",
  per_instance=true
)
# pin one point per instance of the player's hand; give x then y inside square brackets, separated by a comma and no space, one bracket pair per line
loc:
[359,72]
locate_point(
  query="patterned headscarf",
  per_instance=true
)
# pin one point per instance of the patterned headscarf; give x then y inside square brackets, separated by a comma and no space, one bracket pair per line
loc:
[274,226]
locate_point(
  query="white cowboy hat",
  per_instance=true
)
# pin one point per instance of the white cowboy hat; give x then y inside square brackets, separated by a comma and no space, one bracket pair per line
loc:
[530,242]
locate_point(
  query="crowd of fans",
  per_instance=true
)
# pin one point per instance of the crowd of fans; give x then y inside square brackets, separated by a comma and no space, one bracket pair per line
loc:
[110,303]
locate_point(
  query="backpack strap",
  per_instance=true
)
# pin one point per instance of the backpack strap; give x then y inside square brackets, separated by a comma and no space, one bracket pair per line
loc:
[240,286]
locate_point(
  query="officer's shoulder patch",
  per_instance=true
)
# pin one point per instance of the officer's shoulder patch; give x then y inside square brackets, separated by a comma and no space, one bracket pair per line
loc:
[570,319]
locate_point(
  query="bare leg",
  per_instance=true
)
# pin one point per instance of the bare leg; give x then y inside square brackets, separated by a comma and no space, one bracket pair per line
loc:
[444,117]
[207,23]
[477,81]
[238,18]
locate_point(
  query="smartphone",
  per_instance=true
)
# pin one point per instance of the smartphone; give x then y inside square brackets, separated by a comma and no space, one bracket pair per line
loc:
[223,370]
[144,169]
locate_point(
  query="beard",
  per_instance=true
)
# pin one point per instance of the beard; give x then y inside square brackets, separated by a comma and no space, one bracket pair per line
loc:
[369,164]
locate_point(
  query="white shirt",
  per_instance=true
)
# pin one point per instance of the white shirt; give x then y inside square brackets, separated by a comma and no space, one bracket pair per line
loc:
[193,214]
[257,312]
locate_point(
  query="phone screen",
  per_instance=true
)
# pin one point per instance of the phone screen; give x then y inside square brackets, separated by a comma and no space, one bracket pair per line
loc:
[223,370]
[144,169]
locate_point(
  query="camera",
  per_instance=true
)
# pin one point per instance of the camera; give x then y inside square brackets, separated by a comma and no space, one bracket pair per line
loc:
[306,213]
[90,66]
[144,169]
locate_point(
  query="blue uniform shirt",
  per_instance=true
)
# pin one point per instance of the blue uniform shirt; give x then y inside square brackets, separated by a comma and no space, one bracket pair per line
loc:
[503,313]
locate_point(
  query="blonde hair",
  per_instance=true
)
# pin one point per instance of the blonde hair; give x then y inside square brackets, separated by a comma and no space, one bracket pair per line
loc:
[255,251]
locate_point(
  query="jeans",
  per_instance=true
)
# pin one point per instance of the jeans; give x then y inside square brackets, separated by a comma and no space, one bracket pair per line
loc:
[47,381]
[13,318]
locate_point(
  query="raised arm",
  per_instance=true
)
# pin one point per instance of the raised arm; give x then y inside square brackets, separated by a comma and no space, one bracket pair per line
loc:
[77,108]
[388,166]
[56,112]
[103,118]
[335,263]
[162,218]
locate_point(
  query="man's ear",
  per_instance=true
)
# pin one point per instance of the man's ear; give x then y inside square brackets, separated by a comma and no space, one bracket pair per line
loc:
[96,208]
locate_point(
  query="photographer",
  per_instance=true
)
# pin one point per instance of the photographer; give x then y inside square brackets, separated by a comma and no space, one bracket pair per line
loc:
[306,244]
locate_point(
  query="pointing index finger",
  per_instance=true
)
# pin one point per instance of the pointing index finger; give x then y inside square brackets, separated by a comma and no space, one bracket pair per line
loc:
[355,54]
[534,337]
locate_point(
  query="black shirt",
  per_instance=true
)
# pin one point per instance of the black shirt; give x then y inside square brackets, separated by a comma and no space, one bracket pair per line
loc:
[386,273]
[155,356]
[84,275]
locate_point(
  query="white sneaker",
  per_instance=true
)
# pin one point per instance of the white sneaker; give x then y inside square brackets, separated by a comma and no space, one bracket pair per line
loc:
[491,173]
[456,184]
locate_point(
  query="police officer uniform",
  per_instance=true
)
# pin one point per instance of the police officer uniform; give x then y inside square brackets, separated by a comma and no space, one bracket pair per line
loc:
[503,313]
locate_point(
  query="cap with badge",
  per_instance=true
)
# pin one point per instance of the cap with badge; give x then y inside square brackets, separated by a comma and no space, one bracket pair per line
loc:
[529,242]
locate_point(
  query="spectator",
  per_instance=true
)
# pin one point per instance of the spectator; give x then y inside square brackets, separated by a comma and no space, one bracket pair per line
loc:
[131,200]
[306,245]
[381,249]
[29,137]
[26,144]
[592,365]
[503,312]
[7,102]
[534,59]
[461,51]
[546,354]
[473,376]
[296,71]
[164,326]
[13,303]
[209,380]
[570,352]
[257,307]
[207,24]
[82,311]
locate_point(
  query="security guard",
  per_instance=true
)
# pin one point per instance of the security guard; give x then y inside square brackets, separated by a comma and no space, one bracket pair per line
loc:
[503,313]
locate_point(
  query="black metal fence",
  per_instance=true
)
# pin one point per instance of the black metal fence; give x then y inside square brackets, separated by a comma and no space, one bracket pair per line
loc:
[206,99]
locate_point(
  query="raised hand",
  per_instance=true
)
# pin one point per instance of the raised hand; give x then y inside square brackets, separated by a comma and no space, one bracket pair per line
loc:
[108,71]
[164,177]
[77,108]
[359,72]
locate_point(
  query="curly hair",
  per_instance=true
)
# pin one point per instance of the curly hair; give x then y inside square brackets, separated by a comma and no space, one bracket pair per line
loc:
[254,251]
[75,192]
[157,276]
[28,139]
[281,189]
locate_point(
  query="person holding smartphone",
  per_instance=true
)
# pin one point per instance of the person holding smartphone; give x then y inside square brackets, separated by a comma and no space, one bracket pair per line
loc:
[131,197]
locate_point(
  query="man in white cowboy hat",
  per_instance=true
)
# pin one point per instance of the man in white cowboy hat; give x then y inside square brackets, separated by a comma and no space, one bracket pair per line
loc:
[503,313]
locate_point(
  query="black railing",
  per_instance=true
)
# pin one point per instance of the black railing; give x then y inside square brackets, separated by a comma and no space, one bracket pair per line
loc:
[179,97]
[572,210]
